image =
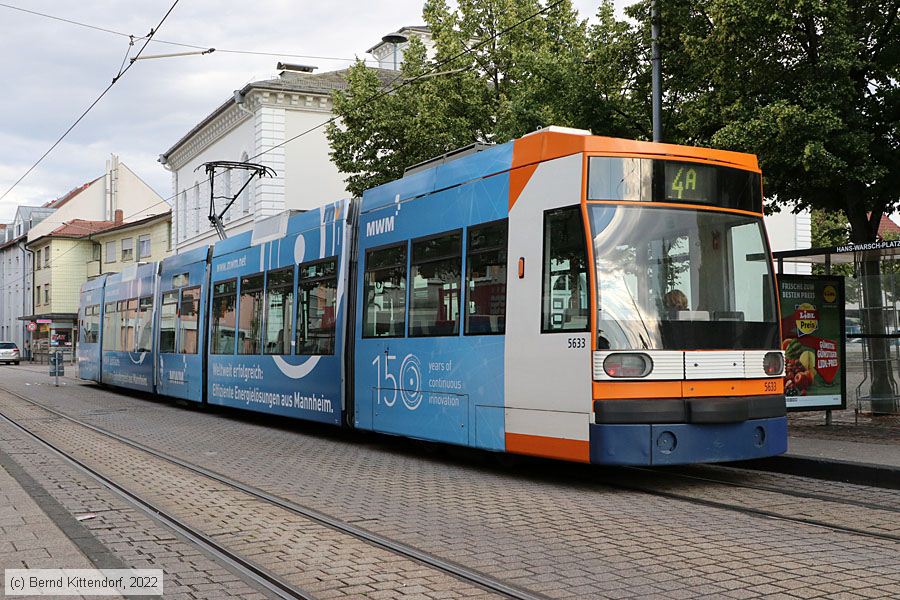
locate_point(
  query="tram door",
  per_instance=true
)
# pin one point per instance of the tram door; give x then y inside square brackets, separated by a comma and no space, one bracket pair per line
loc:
[548,349]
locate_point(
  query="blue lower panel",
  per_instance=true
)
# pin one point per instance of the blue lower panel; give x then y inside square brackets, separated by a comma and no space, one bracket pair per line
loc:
[684,443]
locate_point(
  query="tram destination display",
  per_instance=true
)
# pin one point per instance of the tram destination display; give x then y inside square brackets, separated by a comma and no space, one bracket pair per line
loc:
[812,328]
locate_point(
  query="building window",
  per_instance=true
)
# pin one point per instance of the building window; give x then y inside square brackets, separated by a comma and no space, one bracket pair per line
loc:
[250,313]
[188,318]
[385,293]
[279,311]
[47,294]
[317,291]
[127,249]
[47,256]
[486,279]
[223,317]
[143,247]
[110,252]
[245,194]
[565,287]
[434,276]
[38,295]
[96,250]
[168,315]
[37,259]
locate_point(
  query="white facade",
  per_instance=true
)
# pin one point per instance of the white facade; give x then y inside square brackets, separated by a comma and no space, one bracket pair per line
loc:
[390,55]
[256,126]
[118,189]
[789,231]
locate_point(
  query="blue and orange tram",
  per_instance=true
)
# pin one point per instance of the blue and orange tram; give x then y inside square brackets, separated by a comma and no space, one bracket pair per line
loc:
[561,295]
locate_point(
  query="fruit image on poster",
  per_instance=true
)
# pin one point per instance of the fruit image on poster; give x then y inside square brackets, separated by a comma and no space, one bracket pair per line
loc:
[812,329]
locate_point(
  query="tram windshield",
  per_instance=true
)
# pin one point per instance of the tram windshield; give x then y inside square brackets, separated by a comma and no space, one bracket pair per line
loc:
[681,279]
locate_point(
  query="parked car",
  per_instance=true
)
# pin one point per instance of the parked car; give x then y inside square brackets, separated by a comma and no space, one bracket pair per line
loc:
[9,353]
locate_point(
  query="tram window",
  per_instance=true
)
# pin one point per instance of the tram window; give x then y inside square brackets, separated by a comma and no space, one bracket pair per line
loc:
[317,292]
[128,325]
[385,293]
[223,317]
[250,313]
[188,317]
[144,326]
[167,322]
[565,283]
[110,327]
[279,311]
[486,279]
[434,275]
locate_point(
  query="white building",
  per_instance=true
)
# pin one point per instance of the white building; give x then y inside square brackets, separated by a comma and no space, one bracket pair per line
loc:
[789,231]
[98,200]
[15,272]
[389,51]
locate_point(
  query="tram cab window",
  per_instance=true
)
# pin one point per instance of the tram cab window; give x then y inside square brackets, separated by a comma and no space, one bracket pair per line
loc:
[188,318]
[110,327]
[223,317]
[279,311]
[384,293]
[486,279]
[143,325]
[250,313]
[565,280]
[317,312]
[434,286]
[167,322]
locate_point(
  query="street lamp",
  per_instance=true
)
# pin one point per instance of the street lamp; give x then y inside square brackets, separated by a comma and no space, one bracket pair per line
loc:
[395,39]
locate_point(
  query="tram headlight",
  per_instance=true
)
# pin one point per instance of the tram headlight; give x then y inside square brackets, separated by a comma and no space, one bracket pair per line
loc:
[628,364]
[773,363]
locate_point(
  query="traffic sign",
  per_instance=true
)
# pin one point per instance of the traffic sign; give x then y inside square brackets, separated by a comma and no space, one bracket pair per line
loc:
[32,326]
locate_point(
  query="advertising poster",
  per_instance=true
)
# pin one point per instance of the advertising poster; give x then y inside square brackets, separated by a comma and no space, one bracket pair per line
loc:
[812,329]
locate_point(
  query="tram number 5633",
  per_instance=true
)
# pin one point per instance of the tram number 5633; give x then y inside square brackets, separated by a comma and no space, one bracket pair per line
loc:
[578,342]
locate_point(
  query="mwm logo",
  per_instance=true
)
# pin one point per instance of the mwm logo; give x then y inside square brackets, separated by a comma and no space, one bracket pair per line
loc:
[379,226]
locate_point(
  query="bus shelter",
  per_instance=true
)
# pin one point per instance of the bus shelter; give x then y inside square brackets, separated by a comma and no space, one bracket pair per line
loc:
[871,313]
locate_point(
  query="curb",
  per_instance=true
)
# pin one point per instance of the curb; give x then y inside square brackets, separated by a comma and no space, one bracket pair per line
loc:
[872,475]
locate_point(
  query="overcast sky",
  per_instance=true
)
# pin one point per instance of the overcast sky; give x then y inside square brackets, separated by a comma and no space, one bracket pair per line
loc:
[54,70]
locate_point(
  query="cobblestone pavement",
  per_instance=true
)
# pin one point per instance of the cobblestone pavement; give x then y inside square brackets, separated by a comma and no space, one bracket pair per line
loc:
[846,426]
[118,535]
[553,530]
[315,558]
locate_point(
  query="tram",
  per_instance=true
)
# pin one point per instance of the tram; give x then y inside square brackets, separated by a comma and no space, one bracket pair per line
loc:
[562,295]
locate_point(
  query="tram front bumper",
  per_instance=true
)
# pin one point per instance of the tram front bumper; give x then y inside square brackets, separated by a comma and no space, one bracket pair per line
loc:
[688,430]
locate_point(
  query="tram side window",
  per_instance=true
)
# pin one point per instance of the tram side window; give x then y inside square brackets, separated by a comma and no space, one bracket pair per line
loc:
[317,292]
[565,280]
[279,311]
[223,317]
[91,325]
[128,313]
[434,275]
[167,321]
[385,293]
[486,279]
[250,312]
[144,327]
[110,327]
[188,318]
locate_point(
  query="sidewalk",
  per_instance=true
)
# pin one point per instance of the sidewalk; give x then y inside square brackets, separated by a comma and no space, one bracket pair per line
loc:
[864,450]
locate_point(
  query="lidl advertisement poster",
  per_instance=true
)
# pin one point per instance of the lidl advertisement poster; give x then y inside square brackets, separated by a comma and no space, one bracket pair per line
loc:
[812,329]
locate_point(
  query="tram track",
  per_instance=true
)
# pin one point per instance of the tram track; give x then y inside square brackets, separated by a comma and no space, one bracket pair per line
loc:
[273,583]
[746,509]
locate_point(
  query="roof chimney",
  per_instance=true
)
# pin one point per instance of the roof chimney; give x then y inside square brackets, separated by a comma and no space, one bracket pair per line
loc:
[120,217]
[292,68]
